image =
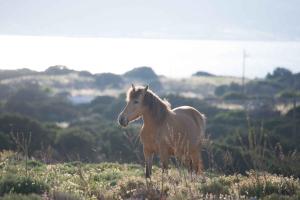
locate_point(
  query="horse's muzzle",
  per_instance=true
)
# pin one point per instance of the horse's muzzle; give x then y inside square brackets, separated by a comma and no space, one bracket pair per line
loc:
[123,121]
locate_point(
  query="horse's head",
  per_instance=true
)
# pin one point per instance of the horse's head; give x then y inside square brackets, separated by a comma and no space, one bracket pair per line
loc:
[135,106]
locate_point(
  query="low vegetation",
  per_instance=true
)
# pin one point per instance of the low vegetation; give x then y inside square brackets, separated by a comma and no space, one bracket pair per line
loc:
[76,180]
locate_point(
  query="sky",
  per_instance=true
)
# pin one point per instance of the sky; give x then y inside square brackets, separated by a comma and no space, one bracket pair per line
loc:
[188,19]
[176,38]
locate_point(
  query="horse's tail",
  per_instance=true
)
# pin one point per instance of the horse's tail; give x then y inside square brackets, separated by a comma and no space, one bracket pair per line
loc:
[202,126]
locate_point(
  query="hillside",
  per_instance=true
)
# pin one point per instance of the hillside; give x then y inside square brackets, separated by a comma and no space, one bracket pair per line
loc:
[39,121]
[82,86]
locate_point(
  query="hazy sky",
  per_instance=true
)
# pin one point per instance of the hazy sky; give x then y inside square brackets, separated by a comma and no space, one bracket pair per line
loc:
[176,38]
[189,19]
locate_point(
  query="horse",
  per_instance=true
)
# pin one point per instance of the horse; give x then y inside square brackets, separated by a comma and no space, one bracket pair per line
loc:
[167,132]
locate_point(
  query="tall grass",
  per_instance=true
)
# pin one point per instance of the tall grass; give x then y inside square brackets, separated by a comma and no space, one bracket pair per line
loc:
[126,181]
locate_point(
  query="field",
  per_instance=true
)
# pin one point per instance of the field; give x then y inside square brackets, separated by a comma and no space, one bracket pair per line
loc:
[51,120]
[78,180]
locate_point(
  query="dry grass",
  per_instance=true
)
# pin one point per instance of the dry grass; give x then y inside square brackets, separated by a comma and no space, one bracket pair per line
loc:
[126,181]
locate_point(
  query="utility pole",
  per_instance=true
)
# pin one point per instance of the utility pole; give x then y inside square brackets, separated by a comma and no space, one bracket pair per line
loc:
[243,71]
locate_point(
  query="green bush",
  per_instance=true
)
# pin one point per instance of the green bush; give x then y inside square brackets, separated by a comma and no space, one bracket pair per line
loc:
[57,195]
[23,185]
[281,197]
[258,189]
[262,187]
[76,143]
[234,96]
[34,163]
[134,188]
[215,187]
[111,176]
[21,197]
[129,187]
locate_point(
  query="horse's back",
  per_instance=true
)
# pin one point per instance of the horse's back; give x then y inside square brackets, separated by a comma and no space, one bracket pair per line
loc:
[191,120]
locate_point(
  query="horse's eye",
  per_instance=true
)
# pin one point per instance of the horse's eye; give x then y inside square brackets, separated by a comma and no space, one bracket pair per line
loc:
[135,101]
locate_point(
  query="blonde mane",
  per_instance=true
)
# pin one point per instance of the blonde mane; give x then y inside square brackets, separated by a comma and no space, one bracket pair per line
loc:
[158,108]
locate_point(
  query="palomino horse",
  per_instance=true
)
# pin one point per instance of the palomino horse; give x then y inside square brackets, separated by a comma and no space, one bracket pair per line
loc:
[167,132]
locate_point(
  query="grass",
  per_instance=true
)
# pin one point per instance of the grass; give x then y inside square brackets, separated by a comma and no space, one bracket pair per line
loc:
[76,180]
[126,181]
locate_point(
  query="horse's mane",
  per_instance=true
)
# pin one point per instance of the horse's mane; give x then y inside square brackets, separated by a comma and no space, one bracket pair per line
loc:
[158,107]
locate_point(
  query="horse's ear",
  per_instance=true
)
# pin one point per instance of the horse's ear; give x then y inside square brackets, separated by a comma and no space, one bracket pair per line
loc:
[133,87]
[146,88]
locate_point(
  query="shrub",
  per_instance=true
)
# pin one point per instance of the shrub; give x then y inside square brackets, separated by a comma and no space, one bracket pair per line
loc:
[110,175]
[135,188]
[7,155]
[128,187]
[23,185]
[76,143]
[258,189]
[21,197]
[215,187]
[234,96]
[34,163]
[57,195]
[262,186]
[281,197]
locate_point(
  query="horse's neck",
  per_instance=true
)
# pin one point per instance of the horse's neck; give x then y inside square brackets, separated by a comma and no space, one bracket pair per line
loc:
[150,122]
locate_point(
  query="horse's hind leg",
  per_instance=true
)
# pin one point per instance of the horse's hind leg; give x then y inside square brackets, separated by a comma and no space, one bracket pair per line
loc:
[190,169]
[164,158]
[197,162]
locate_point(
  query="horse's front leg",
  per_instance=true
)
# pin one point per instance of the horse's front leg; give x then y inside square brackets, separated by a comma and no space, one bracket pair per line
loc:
[164,158]
[148,162]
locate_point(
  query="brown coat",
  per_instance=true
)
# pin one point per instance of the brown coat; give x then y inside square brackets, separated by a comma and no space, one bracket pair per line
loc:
[178,132]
